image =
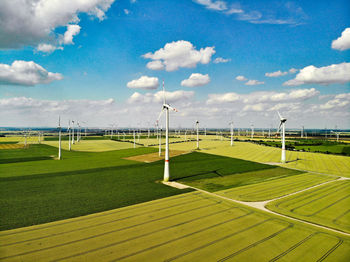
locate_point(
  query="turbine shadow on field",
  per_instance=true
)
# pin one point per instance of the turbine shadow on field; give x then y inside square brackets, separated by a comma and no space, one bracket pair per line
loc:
[199,174]
[24,159]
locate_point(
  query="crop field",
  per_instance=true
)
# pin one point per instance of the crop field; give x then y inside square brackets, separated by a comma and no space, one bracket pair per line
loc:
[92,145]
[316,162]
[187,227]
[21,139]
[36,189]
[275,188]
[327,205]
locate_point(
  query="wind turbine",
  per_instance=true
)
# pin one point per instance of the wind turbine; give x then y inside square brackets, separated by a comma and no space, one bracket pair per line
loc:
[282,123]
[197,126]
[73,132]
[59,137]
[69,135]
[252,133]
[231,124]
[166,107]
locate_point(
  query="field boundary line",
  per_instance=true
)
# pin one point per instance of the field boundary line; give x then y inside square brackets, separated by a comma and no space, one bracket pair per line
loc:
[261,206]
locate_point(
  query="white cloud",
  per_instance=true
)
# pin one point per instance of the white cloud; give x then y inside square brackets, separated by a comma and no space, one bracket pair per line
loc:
[276,74]
[144,82]
[148,98]
[213,5]
[221,60]
[47,48]
[343,42]
[31,22]
[179,54]
[338,101]
[254,83]
[280,73]
[241,78]
[26,73]
[155,65]
[263,96]
[72,30]
[223,98]
[333,74]
[196,79]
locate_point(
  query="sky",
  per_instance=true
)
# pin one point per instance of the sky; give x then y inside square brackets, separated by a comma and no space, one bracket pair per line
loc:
[102,62]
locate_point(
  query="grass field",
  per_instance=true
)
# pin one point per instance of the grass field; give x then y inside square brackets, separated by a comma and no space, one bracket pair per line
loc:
[35,189]
[316,162]
[92,145]
[327,205]
[275,188]
[187,227]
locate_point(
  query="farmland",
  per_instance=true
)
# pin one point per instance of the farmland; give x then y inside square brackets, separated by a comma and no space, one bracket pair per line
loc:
[325,205]
[188,227]
[105,202]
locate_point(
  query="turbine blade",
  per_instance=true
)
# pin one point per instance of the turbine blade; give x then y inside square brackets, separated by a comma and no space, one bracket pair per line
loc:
[161,112]
[172,108]
[279,115]
[164,99]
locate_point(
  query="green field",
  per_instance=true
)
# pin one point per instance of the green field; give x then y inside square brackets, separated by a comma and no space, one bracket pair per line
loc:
[275,188]
[92,145]
[36,189]
[187,227]
[327,205]
[315,162]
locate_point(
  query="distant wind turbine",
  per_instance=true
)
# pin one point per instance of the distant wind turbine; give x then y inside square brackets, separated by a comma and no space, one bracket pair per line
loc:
[231,125]
[69,136]
[197,127]
[59,137]
[282,124]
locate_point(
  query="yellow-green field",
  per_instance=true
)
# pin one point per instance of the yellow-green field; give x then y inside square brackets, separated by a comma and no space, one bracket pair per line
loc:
[20,139]
[327,205]
[316,162]
[275,188]
[189,227]
[92,145]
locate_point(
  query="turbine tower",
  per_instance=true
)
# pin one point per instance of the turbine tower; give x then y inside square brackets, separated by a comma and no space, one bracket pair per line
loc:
[73,132]
[231,124]
[283,123]
[69,139]
[197,126]
[59,138]
[166,107]
[252,133]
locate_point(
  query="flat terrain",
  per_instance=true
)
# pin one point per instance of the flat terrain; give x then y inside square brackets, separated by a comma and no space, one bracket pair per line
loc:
[187,227]
[92,145]
[327,205]
[315,162]
[275,188]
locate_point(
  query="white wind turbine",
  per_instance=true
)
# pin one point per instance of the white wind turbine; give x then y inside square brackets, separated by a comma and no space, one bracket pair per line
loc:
[59,138]
[252,133]
[73,132]
[231,124]
[197,127]
[282,123]
[69,136]
[166,107]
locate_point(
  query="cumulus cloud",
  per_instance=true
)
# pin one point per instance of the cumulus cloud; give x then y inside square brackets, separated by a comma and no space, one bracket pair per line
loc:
[148,98]
[36,20]
[48,48]
[144,82]
[254,83]
[221,60]
[263,97]
[337,101]
[333,74]
[241,78]
[280,73]
[196,79]
[178,54]
[26,73]
[343,42]
[213,5]
[72,30]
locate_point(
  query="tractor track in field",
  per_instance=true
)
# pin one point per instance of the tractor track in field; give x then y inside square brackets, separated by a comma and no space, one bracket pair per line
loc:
[261,205]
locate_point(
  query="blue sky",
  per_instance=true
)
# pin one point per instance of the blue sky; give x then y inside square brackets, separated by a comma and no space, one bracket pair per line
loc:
[97,62]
